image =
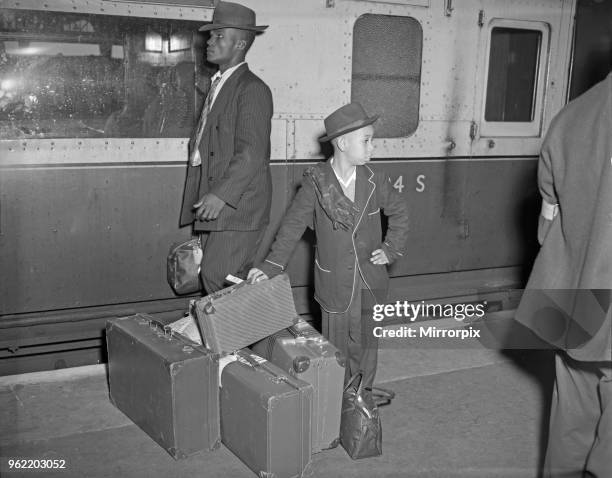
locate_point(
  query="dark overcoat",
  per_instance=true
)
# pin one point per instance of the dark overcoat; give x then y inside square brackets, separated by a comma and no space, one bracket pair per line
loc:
[573,270]
[235,152]
[336,248]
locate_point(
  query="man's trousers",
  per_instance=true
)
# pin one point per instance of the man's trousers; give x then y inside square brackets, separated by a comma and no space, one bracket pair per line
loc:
[580,438]
[227,252]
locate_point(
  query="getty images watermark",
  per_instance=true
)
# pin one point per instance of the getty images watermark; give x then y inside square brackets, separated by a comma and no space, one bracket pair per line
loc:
[410,311]
[546,319]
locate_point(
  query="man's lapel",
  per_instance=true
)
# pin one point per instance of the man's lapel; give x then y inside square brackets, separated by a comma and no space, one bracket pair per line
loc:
[226,92]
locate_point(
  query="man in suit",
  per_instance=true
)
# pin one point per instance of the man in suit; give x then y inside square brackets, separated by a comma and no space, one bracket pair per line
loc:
[228,187]
[567,300]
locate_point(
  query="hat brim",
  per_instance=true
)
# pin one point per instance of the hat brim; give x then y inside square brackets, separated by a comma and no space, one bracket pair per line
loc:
[367,121]
[218,26]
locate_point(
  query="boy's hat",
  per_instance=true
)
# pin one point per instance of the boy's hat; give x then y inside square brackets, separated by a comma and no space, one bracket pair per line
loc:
[346,119]
[233,15]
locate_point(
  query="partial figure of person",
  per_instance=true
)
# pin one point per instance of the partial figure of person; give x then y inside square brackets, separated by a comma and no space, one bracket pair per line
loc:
[567,299]
[228,187]
[341,200]
[170,114]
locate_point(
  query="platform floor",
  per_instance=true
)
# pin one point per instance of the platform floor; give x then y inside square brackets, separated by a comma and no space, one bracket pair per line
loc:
[459,412]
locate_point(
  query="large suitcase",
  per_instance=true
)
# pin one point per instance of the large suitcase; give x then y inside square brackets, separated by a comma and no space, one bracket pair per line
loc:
[240,315]
[167,385]
[265,417]
[304,353]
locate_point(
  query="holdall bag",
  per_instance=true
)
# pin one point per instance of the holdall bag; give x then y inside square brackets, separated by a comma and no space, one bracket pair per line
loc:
[184,260]
[360,426]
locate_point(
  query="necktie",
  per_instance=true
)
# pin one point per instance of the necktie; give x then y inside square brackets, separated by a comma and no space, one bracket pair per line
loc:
[194,156]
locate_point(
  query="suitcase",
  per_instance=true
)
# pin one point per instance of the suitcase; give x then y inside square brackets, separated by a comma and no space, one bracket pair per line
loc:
[265,417]
[240,315]
[304,353]
[167,385]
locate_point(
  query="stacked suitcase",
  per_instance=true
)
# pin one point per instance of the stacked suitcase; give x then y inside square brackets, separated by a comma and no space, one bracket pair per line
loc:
[266,417]
[303,353]
[273,412]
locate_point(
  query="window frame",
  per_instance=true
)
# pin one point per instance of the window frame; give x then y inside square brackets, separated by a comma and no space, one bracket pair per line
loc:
[531,128]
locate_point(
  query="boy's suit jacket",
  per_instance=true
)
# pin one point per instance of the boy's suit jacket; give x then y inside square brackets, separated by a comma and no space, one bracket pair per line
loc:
[235,152]
[335,271]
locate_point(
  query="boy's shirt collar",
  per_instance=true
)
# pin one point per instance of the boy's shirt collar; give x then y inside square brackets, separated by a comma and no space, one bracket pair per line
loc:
[352,177]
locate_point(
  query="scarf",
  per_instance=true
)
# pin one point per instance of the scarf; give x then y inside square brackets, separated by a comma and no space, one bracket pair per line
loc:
[340,210]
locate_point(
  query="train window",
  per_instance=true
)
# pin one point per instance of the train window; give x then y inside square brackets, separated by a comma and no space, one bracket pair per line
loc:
[386,77]
[73,75]
[515,73]
[513,61]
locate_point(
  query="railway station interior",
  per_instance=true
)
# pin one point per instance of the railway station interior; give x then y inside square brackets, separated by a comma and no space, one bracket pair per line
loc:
[103,107]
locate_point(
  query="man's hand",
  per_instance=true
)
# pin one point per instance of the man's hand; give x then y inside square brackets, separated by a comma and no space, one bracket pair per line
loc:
[208,207]
[379,257]
[255,275]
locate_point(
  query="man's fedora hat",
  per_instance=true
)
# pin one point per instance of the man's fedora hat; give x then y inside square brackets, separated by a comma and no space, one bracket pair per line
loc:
[346,119]
[233,15]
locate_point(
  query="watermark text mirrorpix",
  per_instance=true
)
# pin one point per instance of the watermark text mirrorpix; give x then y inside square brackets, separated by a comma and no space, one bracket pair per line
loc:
[411,311]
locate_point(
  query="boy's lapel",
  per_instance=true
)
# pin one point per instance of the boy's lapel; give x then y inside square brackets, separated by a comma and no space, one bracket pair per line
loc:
[364,188]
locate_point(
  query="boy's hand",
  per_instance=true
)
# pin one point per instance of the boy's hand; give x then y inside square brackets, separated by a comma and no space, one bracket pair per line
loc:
[379,257]
[255,275]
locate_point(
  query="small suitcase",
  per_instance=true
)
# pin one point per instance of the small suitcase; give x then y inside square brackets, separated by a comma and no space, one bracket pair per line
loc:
[240,315]
[304,353]
[265,417]
[166,384]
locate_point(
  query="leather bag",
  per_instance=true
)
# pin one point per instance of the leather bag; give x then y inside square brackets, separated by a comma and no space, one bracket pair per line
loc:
[184,260]
[360,426]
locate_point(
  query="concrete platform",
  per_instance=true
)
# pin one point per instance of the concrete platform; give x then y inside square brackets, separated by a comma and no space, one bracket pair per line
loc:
[465,412]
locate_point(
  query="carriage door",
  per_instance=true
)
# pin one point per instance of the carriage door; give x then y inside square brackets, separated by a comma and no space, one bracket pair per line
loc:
[521,76]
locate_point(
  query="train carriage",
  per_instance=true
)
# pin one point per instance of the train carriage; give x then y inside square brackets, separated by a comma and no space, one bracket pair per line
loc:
[98,98]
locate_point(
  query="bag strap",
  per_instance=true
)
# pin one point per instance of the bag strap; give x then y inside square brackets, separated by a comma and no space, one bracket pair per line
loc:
[247,357]
[352,379]
[382,396]
[170,334]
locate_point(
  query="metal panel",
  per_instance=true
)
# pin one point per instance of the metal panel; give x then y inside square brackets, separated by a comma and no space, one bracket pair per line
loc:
[104,240]
[174,9]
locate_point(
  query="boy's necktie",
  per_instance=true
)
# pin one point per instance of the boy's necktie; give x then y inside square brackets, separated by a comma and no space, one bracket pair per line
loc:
[194,156]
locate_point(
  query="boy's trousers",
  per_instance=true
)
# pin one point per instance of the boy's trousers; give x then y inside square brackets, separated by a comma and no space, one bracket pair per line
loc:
[352,334]
[580,438]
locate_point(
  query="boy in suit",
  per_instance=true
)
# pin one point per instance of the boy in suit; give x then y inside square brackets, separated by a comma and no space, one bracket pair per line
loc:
[228,187]
[341,200]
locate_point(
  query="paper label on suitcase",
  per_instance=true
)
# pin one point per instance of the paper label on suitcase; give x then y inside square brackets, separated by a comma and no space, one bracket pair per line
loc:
[240,315]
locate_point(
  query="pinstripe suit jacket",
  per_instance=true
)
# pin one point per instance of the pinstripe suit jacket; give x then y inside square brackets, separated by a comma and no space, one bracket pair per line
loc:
[235,152]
